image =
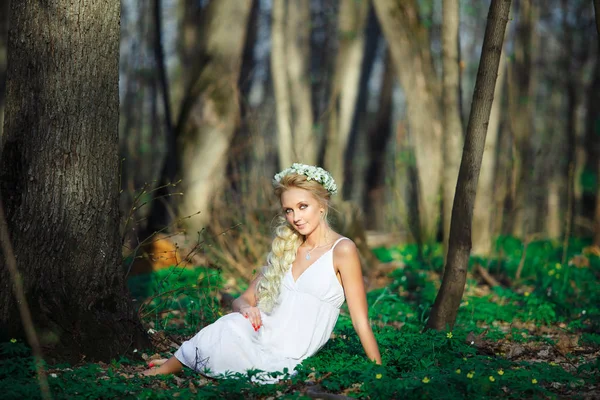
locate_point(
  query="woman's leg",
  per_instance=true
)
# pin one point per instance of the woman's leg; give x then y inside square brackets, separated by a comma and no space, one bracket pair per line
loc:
[171,366]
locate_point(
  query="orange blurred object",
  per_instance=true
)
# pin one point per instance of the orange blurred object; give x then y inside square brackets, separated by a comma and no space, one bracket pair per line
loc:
[160,253]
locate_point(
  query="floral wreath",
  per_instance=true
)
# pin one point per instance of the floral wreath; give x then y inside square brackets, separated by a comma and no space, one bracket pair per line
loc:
[317,174]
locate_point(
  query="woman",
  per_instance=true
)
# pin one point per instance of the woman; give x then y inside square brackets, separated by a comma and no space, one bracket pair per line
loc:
[289,311]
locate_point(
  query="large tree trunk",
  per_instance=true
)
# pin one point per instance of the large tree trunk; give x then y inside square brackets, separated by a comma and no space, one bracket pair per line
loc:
[453,130]
[214,114]
[445,308]
[483,216]
[59,178]
[344,95]
[3,43]
[290,57]
[409,45]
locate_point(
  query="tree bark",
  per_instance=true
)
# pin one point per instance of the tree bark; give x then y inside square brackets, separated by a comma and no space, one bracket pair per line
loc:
[521,92]
[595,125]
[409,45]
[483,215]
[445,308]
[453,130]
[290,56]
[378,139]
[214,108]
[356,182]
[344,95]
[159,216]
[59,177]
[3,44]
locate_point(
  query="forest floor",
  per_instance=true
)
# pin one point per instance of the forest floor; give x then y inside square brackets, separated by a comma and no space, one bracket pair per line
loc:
[537,336]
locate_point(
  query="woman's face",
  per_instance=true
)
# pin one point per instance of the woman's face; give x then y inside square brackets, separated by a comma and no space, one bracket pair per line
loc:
[302,210]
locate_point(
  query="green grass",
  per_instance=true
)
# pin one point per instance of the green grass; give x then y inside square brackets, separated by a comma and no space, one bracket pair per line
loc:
[536,337]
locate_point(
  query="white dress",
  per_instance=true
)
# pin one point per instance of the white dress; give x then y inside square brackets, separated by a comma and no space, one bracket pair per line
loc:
[297,327]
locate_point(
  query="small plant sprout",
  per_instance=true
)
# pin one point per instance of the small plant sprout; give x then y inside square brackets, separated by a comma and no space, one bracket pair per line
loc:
[500,372]
[13,340]
[470,375]
[492,379]
[534,381]
[426,380]
[449,335]
[458,371]
[378,376]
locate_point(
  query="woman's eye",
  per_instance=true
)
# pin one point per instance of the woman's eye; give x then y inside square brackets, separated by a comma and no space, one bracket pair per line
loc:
[287,211]
[303,206]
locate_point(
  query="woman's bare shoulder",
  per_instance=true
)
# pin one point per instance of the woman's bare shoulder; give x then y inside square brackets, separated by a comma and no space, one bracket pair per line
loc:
[345,248]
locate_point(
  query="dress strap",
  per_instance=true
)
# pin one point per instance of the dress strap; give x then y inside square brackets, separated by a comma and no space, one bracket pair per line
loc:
[337,241]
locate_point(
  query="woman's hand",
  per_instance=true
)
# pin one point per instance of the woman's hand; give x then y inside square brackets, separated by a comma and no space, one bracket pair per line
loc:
[246,305]
[253,315]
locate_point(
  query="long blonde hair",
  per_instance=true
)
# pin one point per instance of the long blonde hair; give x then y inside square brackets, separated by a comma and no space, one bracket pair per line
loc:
[286,242]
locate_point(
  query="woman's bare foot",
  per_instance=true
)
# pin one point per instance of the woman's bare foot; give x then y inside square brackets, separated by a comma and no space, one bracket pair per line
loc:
[170,366]
[150,372]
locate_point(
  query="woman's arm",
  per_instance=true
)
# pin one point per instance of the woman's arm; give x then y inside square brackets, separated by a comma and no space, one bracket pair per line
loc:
[348,265]
[246,304]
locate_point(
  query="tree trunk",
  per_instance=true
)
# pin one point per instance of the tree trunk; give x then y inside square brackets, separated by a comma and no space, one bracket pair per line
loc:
[409,45]
[521,91]
[453,130]
[290,56]
[483,215]
[159,216]
[378,139]
[59,179]
[3,43]
[595,125]
[214,112]
[445,308]
[351,35]
[356,181]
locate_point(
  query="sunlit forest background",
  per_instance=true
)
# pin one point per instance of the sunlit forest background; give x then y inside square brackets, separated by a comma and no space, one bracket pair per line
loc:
[217,96]
[219,100]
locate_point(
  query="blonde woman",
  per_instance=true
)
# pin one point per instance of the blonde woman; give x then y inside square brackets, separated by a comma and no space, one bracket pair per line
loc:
[289,311]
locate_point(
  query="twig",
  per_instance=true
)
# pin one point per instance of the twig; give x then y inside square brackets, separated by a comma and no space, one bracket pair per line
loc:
[32,338]
[489,279]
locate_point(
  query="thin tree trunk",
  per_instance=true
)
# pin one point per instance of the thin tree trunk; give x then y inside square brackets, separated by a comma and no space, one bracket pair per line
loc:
[280,85]
[409,45]
[215,110]
[161,211]
[596,125]
[290,56]
[483,214]
[298,58]
[344,95]
[378,138]
[453,130]
[3,44]
[445,308]
[357,153]
[522,104]
[59,178]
